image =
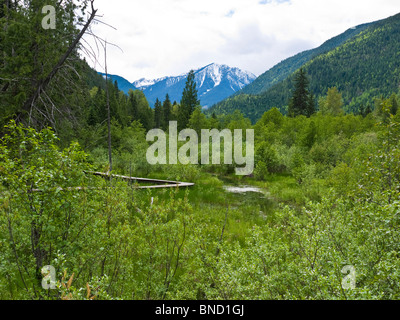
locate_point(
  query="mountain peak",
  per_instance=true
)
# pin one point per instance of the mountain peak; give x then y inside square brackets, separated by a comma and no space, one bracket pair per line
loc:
[213,75]
[214,83]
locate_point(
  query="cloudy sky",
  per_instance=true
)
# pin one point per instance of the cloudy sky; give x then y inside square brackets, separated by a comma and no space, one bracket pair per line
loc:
[169,37]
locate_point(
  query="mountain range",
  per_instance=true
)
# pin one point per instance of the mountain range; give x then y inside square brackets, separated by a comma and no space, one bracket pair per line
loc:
[214,83]
[363,63]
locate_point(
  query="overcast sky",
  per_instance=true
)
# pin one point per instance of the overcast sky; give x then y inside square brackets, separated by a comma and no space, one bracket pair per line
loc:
[170,37]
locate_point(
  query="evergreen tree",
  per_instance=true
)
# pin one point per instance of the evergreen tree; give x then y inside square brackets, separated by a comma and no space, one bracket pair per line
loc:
[116,89]
[394,103]
[189,101]
[97,112]
[133,106]
[157,113]
[311,106]
[166,112]
[214,122]
[123,108]
[113,97]
[144,113]
[40,71]
[302,102]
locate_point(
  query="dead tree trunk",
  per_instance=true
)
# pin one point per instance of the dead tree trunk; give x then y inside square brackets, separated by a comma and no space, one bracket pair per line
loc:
[108,112]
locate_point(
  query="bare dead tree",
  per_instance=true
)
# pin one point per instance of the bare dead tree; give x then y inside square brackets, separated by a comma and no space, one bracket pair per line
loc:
[108,111]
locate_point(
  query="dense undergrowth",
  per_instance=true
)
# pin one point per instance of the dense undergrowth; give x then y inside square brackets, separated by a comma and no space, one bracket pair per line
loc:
[331,200]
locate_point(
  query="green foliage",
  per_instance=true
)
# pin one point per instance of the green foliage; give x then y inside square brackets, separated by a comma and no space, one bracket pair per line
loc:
[42,208]
[331,104]
[236,120]
[198,121]
[266,160]
[112,243]
[272,116]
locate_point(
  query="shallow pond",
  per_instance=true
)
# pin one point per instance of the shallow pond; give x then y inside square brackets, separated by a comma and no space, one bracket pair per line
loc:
[243,189]
[254,198]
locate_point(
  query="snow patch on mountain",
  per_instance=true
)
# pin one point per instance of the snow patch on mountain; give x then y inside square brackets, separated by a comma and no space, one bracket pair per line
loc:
[214,83]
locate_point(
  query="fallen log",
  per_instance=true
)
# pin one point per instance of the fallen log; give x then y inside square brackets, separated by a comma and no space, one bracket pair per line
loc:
[164,183]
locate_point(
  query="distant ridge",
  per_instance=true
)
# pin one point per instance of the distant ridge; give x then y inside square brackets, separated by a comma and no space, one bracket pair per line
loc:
[286,67]
[363,63]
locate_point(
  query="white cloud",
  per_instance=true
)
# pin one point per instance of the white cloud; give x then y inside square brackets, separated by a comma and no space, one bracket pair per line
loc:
[170,37]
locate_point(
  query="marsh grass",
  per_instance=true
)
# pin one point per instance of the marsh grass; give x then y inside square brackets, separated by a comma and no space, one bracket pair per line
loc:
[247,210]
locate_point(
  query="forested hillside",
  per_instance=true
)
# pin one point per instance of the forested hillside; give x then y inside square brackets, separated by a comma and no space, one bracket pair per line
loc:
[285,68]
[363,68]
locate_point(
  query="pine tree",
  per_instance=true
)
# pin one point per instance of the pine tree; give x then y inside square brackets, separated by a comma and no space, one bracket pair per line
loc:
[116,89]
[311,106]
[189,101]
[302,102]
[166,112]
[113,100]
[133,106]
[98,112]
[157,114]
[145,113]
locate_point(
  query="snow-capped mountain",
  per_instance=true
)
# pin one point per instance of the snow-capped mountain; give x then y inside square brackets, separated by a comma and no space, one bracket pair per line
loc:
[214,83]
